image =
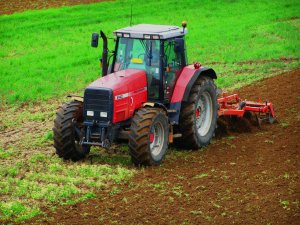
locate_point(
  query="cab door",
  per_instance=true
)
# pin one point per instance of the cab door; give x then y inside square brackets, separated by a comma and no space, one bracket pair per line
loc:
[173,65]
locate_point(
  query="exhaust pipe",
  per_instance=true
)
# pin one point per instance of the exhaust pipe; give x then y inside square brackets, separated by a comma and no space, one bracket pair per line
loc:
[104,54]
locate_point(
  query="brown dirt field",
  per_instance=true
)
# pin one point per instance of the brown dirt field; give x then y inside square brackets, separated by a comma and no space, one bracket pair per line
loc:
[242,178]
[12,6]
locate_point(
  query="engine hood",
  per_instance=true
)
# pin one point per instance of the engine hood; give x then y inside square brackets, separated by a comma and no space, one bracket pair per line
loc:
[129,90]
[122,81]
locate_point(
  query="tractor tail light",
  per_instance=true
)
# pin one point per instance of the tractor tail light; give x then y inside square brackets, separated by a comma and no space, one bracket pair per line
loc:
[197,65]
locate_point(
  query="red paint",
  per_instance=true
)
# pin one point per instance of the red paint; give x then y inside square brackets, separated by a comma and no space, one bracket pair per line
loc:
[197,113]
[130,83]
[151,137]
[182,82]
[229,106]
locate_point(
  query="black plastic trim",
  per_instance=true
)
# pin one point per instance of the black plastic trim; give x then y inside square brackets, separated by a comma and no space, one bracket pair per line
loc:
[174,116]
[162,73]
[96,94]
[112,70]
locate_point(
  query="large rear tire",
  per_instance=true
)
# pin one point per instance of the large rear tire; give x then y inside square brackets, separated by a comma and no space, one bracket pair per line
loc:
[148,139]
[198,118]
[68,131]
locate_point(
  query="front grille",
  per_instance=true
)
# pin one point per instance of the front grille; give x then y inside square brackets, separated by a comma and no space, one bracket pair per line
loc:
[98,100]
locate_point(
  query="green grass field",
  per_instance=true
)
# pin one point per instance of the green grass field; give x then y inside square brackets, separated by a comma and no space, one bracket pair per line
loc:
[47,53]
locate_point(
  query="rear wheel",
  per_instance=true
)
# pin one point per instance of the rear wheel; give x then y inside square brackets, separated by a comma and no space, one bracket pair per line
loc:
[68,131]
[198,117]
[148,139]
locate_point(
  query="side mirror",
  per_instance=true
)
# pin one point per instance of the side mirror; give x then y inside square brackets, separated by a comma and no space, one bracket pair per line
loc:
[179,45]
[95,38]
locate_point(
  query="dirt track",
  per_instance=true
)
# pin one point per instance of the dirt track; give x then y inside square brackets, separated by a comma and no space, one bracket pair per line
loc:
[243,178]
[12,6]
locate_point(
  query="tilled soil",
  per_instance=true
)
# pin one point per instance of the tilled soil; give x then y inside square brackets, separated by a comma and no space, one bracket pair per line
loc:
[12,6]
[242,178]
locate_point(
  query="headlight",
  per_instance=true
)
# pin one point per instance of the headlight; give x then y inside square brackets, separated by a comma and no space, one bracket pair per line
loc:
[90,113]
[103,114]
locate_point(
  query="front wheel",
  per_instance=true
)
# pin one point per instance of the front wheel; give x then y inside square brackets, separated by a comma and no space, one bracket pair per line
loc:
[148,139]
[68,131]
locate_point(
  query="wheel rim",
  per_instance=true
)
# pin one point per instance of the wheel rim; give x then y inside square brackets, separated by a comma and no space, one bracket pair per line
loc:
[203,114]
[156,139]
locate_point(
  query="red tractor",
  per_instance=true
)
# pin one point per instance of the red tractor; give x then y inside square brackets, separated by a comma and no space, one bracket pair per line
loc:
[148,95]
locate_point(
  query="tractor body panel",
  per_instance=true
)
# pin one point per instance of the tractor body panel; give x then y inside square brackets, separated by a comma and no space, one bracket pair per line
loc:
[186,80]
[183,87]
[129,92]
[181,83]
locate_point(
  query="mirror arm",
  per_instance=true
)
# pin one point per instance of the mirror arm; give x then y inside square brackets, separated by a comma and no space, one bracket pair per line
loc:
[104,54]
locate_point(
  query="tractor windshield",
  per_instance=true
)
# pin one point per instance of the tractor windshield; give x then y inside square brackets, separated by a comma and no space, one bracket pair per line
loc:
[143,55]
[136,54]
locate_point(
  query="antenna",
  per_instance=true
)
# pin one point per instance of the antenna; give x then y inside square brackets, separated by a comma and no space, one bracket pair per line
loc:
[131,14]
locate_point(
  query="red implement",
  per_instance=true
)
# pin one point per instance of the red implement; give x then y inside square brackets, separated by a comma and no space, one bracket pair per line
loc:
[232,105]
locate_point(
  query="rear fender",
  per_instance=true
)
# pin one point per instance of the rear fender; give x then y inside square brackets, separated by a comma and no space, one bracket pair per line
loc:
[207,72]
[183,87]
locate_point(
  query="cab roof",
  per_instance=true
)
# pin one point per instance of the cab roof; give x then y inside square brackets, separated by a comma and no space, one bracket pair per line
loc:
[151,31]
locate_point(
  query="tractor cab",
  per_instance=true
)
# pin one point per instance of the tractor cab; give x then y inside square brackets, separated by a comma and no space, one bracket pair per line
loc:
[156,49]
